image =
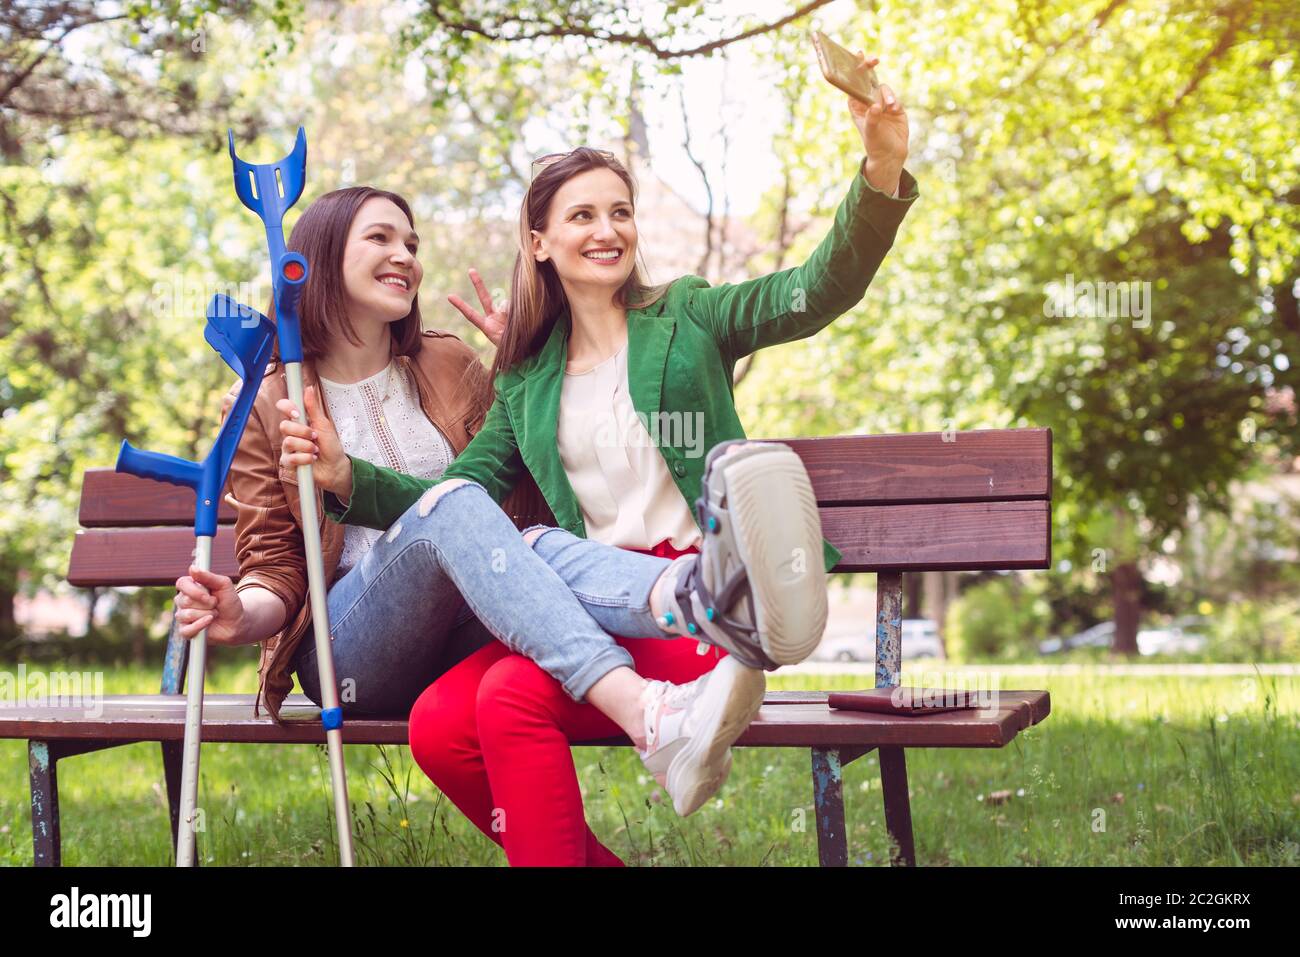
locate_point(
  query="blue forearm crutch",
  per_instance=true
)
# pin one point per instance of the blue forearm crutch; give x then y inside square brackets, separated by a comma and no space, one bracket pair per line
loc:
[269,190]
[244,338]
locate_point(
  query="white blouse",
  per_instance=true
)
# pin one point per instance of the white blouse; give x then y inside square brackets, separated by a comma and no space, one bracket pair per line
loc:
[380,419]
[627,496]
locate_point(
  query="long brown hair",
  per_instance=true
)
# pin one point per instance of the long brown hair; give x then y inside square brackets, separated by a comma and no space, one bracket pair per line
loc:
[536,296]
[321,235]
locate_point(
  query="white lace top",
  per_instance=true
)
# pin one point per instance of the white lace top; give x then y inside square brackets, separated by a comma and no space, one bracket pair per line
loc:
[627,496]
[379,419]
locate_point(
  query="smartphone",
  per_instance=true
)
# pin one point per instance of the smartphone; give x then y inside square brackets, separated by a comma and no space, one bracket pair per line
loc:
[841,69]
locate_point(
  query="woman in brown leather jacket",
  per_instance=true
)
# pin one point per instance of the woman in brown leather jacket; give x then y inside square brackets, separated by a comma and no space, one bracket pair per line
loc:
[412,397]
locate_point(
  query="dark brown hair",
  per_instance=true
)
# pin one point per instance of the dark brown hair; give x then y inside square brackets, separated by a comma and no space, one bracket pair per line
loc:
[321,235]
[536,296]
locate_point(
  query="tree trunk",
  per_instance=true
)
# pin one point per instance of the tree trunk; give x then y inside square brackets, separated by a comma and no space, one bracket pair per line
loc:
[8,624]
[90,611]
[1126,594]
[912,595]
[939,590]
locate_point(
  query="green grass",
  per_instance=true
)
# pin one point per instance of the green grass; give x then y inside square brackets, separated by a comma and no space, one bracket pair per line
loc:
[1126,771]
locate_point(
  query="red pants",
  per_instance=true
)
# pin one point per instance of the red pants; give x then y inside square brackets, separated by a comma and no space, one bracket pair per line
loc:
[494,733]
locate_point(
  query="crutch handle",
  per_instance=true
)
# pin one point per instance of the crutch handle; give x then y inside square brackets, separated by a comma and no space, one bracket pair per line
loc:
[158,466]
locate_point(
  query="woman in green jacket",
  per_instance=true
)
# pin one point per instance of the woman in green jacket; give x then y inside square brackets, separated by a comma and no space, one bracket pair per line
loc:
[608,393]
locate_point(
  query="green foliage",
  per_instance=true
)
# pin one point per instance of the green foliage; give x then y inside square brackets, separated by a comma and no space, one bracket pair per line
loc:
[114,254]
[1247,553]
[1249,630]
[1001,617]
[1045,161]
[1147,141]
[130,626]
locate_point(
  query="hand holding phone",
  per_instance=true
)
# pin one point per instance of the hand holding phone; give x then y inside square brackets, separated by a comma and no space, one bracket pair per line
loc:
[878,116]
[845,71]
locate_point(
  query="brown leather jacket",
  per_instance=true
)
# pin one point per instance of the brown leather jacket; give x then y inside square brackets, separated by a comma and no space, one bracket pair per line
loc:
[268,525]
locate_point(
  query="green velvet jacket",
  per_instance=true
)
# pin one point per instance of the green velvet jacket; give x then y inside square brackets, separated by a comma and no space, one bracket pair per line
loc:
[681,353]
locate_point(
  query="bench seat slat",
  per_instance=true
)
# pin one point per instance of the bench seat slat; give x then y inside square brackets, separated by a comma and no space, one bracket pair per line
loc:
[229,718]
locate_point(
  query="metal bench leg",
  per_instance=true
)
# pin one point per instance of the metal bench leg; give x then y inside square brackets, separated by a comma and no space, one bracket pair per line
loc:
[45,804]
[173,752]
[42,762]
[828,800]
[898,807]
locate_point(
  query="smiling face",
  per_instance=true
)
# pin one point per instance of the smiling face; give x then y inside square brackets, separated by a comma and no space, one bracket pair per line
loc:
[380,272]
[590,234]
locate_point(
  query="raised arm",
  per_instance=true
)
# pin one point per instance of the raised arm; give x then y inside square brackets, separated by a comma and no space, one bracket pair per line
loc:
[797,302]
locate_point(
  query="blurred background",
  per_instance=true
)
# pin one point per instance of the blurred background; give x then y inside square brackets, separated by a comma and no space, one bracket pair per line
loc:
[1107,243]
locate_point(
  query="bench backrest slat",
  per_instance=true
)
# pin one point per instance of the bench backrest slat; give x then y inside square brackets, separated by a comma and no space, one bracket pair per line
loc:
[958,537]
[922,502]
[111,499]
[114,557]
[983,465]
[961,537]
[979,466]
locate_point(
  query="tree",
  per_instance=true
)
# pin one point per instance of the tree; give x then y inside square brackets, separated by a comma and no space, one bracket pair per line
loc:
[76,271]
[1045,165]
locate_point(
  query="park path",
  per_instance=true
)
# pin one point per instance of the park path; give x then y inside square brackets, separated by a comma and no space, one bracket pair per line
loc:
[1048,668]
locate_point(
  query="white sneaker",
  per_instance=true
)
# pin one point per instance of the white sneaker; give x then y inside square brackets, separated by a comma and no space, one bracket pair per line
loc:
[690,728]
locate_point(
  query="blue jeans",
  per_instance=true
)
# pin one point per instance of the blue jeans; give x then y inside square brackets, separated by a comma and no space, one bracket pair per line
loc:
[421,599]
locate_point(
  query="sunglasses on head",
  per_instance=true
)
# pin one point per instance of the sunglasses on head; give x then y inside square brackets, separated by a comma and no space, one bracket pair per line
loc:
[544,161]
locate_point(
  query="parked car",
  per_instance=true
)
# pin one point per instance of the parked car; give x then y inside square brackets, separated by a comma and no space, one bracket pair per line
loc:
[845,648]
[1098,636]
[1183,635]
[920,640]
[1186,635]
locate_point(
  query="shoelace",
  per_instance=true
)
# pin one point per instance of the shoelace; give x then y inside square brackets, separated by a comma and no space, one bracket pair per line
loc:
[679,696]
[674,696]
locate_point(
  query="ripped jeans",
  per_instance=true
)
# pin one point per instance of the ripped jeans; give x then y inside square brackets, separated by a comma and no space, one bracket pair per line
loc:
[406,612]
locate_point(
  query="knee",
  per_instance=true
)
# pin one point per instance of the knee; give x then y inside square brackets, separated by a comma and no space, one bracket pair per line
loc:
[531,535]
[514,692]
[736,446]
[431,497]
[441,730]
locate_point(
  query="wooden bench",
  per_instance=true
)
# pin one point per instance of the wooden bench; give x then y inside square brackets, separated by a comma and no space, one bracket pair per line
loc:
[891,503]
